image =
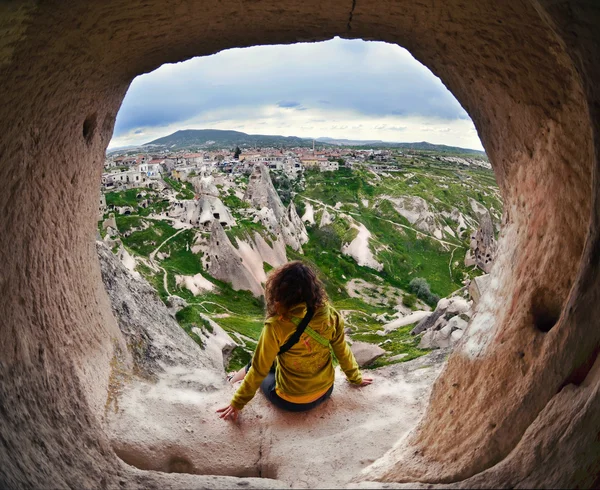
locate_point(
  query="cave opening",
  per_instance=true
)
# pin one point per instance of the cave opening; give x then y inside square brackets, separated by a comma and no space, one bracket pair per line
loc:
[63,344]
[334,187]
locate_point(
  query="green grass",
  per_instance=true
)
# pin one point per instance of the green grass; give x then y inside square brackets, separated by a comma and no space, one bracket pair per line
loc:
[156,280]
[239,358]
[185,190]
[181,260]
[123,198]
[233,202]
[143,242]
[396,342]
[409,254]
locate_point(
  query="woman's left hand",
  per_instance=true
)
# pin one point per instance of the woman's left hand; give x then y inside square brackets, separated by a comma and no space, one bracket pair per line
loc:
[228,413]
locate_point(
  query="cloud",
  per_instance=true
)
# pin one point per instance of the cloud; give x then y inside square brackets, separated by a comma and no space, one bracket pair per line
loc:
[372,83]
[319,122]
[288,104]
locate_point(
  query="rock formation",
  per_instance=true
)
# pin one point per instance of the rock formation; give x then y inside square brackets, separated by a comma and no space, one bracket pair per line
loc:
[309,214]
[416,210]
[446,325]
[478,287]
[326,218]
[359,248]
[202,212]
[224,262]
[153,337]
[292,228]
[483,247]
[204,184]
[516,404]
[261,194]
[366,353]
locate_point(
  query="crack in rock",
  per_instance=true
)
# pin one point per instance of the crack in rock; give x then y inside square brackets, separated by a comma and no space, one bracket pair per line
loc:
[351,14]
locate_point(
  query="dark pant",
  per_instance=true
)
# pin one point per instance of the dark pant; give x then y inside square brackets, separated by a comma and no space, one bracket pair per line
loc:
[268,388]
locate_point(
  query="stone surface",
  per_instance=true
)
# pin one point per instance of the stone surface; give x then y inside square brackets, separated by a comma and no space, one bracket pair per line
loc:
[528,74]
[448,325]
[478,287]
[153,337]
[416,210]
[483,250]
[366,353]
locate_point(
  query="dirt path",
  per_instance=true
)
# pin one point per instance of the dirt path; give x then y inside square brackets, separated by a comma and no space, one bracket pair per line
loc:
[153,253]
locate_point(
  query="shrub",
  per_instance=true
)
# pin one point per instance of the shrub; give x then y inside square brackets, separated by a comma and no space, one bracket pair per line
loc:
[327,238]
[409,300]
[420,287]
[300,207]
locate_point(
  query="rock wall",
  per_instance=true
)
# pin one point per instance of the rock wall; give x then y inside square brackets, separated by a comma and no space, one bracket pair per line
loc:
[483,247]
[524,377]
[154,339]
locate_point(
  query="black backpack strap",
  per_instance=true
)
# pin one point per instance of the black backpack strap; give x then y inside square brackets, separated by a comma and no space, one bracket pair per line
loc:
[299,331]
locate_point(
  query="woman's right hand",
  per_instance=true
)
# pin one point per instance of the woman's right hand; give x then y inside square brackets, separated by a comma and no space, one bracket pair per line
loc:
[228,413]
[365,382]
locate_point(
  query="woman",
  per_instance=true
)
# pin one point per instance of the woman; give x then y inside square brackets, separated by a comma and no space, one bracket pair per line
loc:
[295,374]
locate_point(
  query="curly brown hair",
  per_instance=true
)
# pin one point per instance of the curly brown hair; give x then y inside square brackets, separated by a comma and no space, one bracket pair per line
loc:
[290,284]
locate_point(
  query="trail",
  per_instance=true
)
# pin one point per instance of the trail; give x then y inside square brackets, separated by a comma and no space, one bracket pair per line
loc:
[153,253]
[151,258]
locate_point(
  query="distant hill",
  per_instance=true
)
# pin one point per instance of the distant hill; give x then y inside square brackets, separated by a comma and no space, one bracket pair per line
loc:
[206,138]
[345,142]
[217,138]
[423,145]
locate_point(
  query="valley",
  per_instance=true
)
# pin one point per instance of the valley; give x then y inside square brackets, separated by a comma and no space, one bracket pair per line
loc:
[390,232]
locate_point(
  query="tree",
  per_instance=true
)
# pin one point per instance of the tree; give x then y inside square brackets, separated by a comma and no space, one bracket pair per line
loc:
[237,153]
[420,288]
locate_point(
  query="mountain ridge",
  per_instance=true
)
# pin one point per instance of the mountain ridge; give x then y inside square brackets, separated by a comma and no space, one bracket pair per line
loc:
[185,138]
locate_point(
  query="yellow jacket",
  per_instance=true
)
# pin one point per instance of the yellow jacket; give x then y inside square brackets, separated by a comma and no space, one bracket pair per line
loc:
[307,367]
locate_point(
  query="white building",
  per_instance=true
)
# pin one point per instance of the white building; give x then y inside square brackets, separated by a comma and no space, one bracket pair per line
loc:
[328,166]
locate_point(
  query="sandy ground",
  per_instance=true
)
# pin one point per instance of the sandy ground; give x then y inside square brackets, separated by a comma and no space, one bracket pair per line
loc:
[359,248]
[309,214]
[171,425]
[196,284]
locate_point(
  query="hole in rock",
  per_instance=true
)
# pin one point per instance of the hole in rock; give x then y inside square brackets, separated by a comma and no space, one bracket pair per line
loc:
[89,127]
[545,310]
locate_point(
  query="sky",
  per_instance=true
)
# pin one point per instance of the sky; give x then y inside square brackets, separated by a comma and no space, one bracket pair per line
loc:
[340,88]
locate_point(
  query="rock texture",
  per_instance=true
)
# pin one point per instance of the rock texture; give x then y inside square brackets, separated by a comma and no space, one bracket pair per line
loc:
[204,184]
[446,325]
[172,427]
[528,74]
[366,353]
[202,212]
[483,247]
[416,210]
[275,217]
[224,262]
[153,337]
[260,192]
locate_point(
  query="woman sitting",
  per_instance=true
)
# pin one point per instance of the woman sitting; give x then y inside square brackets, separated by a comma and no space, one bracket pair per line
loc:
[293,363]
